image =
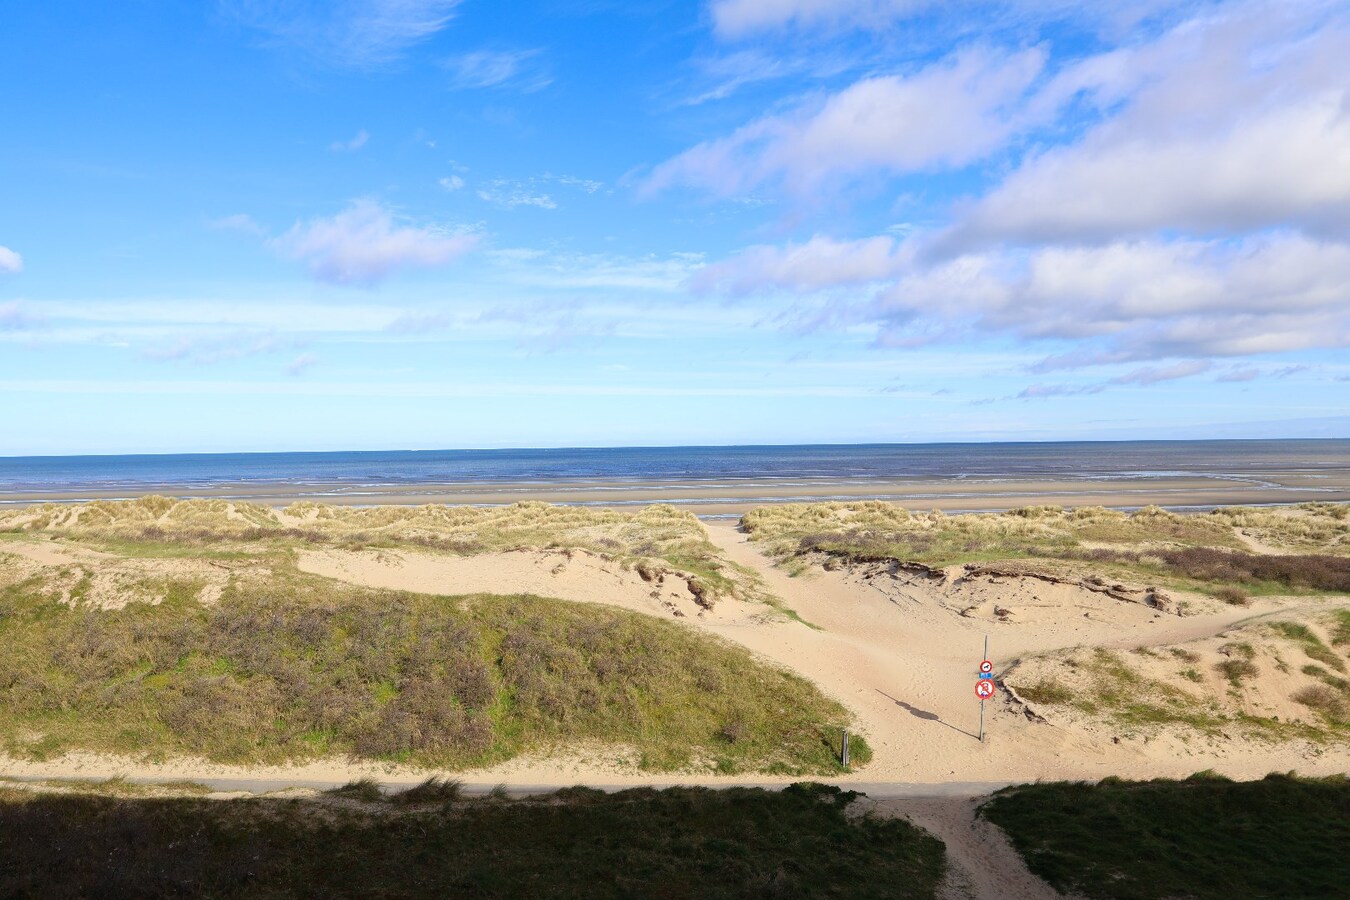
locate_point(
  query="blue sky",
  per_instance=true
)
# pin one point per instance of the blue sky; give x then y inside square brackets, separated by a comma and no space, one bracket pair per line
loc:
[291,224]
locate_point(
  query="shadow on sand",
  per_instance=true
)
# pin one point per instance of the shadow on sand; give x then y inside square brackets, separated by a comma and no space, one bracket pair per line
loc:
[924,714]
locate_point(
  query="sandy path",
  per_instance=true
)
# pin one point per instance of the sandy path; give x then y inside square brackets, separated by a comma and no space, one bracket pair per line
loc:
[981,860]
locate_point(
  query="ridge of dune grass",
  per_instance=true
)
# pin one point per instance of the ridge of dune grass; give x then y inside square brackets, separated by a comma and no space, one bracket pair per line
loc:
[1202,552]
[298,667]
[1205,837]
[164,526]
[676,843]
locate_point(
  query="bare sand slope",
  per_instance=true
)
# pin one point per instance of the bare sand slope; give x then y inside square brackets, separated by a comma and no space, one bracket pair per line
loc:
[565,574]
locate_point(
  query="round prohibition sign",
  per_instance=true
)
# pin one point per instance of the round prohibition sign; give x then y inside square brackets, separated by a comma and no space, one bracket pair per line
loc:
[984,689]
[986,667]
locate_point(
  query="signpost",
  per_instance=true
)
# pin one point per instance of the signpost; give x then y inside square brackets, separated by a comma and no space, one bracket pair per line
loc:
[985,687]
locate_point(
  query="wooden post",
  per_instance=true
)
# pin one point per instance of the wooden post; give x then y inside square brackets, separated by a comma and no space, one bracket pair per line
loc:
[843,749]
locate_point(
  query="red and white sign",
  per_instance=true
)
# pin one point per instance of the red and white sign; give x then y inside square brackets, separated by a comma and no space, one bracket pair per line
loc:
[984,689]
[986,667]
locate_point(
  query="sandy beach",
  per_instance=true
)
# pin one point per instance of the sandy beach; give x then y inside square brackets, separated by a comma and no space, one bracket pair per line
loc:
[731,498]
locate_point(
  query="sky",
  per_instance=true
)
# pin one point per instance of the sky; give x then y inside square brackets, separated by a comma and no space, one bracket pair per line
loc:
[245,225]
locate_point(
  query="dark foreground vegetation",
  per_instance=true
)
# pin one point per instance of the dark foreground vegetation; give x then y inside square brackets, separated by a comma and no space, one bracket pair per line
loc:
[1281,837]
[300,667]
[681,842]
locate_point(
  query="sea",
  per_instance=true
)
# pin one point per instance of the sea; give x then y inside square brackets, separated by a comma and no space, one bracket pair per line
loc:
[1247,460]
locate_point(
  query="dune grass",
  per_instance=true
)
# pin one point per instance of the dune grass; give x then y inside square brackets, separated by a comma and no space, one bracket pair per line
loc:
[1198,552]
[677,843]
[1281,837]
[298,667]
[166,527]
[1212,689]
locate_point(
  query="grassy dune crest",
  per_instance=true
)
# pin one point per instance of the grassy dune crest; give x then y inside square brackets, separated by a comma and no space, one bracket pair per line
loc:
[297,667]
[1209,551]
[1205,837]
[165,526]
[677,843]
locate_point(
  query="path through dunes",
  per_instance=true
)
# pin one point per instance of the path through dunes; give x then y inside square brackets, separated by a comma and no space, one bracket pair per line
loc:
[907,667]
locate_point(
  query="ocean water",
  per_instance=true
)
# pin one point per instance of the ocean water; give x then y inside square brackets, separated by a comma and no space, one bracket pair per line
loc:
[1111,461]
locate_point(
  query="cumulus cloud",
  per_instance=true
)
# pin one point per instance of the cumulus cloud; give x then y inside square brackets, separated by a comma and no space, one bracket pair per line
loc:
[944,116]
[11,263]
[1235,123]
[451,183]
[1141,300]
[519,69]
[364,244]
[356,33]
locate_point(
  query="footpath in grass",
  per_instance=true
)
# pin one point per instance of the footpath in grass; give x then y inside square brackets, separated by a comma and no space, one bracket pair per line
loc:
[681,842]
[1280,837]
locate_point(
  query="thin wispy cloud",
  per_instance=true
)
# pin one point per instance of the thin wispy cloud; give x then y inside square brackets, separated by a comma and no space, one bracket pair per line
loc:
[301,364]
[205,349]
[362,34]
[366,243]
[239,222]
[14,316]
[521,70]
[352,144]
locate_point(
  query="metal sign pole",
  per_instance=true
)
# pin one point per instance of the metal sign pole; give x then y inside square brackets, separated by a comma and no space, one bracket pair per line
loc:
[986,656]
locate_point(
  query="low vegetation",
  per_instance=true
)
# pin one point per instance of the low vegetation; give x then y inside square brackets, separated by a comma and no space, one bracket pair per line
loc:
[1208,552]
[1203,837]
[295,667]
[658,535]
[1219,688]
[681,842]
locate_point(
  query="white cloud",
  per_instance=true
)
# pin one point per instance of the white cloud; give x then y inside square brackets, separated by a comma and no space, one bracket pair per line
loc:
[11,263]
[351,145]
[240,222]
[945,116]
[451,182]
[204,349]
[1153,374]
[13,317]
[819,263]
[1139,300]
[1234,123]
[739,18]
[364,244]
[357,33]
[301,364]
[736,19]
[488,68]
[512,194]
